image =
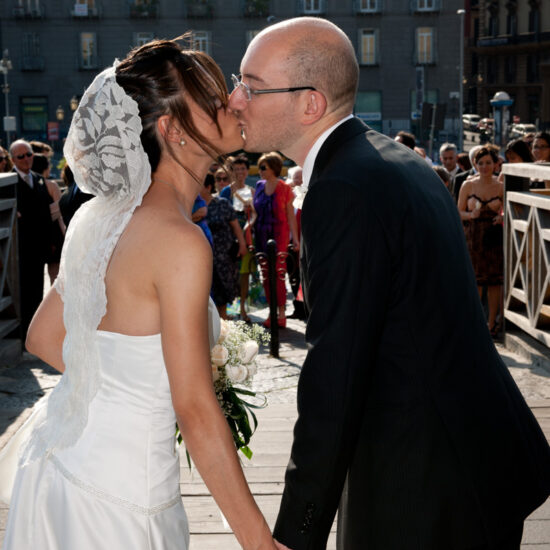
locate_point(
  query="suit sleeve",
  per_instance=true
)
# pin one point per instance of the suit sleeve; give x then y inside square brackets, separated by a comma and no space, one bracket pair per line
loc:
[347,278]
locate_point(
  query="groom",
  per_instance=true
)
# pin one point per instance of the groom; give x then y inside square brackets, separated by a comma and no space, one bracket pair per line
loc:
[402,397]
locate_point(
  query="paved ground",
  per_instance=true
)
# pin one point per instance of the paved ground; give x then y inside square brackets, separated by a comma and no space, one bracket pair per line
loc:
[23,385]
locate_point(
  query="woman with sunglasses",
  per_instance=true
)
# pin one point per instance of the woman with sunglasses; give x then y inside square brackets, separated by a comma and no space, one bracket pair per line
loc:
[224,226]
[5,161]
[276,220]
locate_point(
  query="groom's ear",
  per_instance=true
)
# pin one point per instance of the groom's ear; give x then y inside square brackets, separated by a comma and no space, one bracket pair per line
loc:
[315,107]
[168,130]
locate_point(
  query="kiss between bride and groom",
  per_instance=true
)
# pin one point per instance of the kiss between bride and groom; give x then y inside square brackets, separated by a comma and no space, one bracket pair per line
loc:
[408,420]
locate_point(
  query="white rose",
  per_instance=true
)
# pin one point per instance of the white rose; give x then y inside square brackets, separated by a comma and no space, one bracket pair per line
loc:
[224,331]
[219,355]
[215,373]
[248,351]
[237,373]
[252,369]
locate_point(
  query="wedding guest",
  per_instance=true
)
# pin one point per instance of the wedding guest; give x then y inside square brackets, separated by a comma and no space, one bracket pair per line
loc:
[5,161]
[73,198]
[480,205]
[518,150]
[241,196]
[276,220]
[41,165]
[41,148]
[34,225]
[225,229]
[444,175]
[295,181]
[463,161]
[406,138]
[199,212]
[541,147]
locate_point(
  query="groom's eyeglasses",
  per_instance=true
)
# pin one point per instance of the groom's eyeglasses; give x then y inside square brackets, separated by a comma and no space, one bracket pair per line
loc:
[21,157]
[248,93]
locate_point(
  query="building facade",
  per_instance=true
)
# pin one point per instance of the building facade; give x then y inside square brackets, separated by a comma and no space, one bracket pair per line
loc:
[508,49]
[408,50]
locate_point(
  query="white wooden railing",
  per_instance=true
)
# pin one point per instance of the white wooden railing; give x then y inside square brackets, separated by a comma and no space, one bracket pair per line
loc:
[527,250]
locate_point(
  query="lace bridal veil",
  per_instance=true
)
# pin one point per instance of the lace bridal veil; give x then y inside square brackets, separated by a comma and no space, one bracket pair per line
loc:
[104,150]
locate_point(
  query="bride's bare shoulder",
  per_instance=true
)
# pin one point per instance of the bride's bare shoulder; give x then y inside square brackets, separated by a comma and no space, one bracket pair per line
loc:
[172,237]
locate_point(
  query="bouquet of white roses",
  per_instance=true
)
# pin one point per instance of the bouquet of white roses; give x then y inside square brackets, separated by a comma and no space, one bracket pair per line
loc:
[233,361]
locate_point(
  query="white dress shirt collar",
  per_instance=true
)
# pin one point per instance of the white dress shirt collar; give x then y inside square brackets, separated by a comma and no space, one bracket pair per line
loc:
[307,168]
[25,177]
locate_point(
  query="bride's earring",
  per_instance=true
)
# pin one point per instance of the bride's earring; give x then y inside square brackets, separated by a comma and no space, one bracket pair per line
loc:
[182,142]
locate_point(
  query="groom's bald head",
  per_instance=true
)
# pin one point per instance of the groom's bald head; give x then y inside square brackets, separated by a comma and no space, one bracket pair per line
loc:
[315,52]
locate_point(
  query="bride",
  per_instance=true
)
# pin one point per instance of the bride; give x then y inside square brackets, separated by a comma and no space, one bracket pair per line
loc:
[127,322]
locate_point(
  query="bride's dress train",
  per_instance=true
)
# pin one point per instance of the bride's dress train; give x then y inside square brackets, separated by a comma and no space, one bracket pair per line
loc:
[118,486]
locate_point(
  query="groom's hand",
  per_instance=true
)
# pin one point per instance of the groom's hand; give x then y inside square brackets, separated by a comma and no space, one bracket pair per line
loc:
[280,546]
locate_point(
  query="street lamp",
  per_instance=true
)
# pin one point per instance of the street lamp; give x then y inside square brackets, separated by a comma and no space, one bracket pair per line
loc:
[9,122]
[461,14]
[60,113]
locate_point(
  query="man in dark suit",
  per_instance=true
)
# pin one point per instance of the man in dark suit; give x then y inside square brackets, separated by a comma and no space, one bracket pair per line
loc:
[34,225]
[402,392]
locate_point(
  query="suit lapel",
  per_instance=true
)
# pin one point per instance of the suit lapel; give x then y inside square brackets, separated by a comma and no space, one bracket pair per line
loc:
[344,132]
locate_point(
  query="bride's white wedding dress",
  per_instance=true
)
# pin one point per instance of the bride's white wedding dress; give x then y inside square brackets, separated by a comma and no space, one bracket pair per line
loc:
[118,486]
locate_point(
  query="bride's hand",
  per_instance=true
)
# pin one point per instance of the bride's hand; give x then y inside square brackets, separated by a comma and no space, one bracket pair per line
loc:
[280,545]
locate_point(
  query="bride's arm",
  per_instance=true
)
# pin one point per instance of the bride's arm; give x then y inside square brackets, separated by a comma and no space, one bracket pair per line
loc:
[183,279]
[47,331]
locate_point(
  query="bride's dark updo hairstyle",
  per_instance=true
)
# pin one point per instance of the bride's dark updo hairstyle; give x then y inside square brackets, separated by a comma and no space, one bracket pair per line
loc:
[159,76]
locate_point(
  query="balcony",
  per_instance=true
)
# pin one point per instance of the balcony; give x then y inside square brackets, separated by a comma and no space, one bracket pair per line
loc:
[29,11]
[199,9]
[256,8]
[144,10]
[32,63]
[84,11]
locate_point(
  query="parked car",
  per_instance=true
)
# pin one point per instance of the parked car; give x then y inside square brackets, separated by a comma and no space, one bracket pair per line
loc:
[486,125]
[519,130]
[469,121]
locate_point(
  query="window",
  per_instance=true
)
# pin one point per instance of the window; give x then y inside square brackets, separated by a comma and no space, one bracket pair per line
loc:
[144,8]
[250,35]
[425,53]
[313,6]
[368,6]
[141,38]
[368,47]
[32,58]
[534,19]
[426,5]
[30,8]
[201,41]
[88,50]
[368,107]
[493,24]
[512,22]
[84,8]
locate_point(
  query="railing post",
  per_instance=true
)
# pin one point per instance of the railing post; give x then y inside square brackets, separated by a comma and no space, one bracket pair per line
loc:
[272,282]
